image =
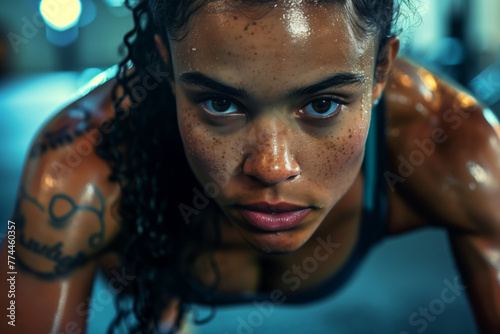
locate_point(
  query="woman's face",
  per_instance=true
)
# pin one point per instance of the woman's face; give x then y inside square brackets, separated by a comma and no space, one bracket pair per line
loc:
[274,109]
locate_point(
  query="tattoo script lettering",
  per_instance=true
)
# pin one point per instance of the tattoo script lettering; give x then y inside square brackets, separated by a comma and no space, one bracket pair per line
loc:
[63,136]
[63,263]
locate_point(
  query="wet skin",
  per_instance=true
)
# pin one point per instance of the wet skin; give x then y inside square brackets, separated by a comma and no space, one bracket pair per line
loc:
[273,152]
[270,141]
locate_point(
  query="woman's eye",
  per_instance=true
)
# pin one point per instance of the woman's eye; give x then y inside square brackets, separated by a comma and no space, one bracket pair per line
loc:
[220,106]
[322,107]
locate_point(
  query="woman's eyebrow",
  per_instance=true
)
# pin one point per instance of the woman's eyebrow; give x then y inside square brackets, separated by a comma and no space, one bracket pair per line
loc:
[200,79]
[334,81]
[337,80]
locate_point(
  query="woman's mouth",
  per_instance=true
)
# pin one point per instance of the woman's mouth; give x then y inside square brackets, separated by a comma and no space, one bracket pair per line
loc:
[273,217]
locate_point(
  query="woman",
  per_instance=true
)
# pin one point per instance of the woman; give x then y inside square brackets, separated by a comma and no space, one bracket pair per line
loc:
[238,145]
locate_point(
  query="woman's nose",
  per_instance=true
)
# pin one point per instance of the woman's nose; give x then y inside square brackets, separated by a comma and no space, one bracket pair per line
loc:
[268,159]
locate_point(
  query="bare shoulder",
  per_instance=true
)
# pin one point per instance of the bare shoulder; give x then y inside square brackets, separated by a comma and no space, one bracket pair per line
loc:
[444,161]
[66,211]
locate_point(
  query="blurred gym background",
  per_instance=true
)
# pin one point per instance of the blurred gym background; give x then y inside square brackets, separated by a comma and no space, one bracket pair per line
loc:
[45,59]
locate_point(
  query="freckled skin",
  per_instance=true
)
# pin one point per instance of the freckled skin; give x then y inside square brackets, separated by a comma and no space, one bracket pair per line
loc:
[271,153]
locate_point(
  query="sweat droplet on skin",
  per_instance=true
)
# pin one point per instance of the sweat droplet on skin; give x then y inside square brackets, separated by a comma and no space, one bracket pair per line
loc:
[481,176]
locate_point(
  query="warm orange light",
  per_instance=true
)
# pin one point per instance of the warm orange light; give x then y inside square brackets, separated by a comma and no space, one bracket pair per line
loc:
[466,100]
[405,80]
[430,81]
[428,96]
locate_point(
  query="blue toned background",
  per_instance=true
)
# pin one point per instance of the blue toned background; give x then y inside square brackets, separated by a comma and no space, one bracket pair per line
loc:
[40,70]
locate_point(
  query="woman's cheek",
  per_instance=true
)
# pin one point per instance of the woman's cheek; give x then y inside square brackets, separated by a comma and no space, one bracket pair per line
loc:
[211,157]
[338,157]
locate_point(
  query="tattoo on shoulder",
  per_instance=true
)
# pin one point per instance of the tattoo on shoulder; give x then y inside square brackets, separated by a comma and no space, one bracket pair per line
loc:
[63,264]
[63,136]
[60,221]
[24,195]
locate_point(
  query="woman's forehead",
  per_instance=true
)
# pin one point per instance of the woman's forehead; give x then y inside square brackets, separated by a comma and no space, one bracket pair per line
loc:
[258,8]
[299,37]
[300,18]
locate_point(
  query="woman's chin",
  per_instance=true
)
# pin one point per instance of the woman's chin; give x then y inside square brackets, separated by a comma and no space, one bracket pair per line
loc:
[282,242]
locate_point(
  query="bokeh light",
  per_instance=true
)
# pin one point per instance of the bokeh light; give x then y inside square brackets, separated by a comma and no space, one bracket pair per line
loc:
[61,15]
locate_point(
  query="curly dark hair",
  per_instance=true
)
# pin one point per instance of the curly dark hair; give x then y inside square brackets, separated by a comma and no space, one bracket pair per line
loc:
[146,156]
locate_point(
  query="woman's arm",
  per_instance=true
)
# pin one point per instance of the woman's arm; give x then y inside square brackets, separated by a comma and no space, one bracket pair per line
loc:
[37,305]
[479,261]
[444,171]
[63,221]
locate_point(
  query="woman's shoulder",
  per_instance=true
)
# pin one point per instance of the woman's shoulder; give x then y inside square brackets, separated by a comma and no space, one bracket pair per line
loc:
[66,201]
[415,95]
[444,152]
[65,148]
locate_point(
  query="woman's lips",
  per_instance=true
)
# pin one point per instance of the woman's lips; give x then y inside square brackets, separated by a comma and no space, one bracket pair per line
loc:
[277,217]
